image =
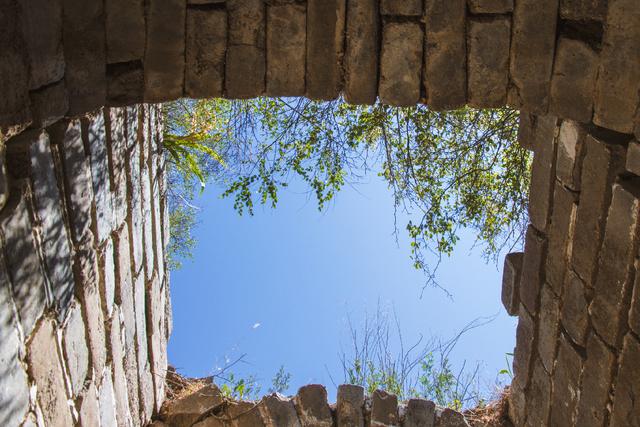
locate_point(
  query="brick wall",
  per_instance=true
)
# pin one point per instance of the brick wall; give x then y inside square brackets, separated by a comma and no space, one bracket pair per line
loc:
[83,312]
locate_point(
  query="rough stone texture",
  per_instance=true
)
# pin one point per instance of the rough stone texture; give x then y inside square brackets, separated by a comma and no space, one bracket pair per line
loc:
[125,83]
[548,323]
[538,403]
[560,237]
[107,277]
[583,10]
[46,370]
[524,347]
[633,158]
[615,274]
[449,418]
[401,7]
[312,407]
[116,343]
[286,49]
[246,414]
[206,51]
[75,349]
[325,48]
[488,62]
[278,411]
[401,64]
[157,338]
[116,144]
[445,56]
[535,250]
[4,178]
[384,409]
[575,318]
[49,103]
[125,26]
[543,171]
[147,397]
[186,411]
[566,385]
[89,413]
[361,52]
[626,408]
[106,400]
[517,404]
[569,157]
[490,6]
[634,312]
[511,276]
[420,413]
[164,58]
[532,51]
[594,392]
[618,86]
[349,406]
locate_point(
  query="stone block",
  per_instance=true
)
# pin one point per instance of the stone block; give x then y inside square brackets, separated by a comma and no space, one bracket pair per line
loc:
[560,237]
[615,269]
[401,7]
[570,153]
[634,312]
[125,83]
[538,396]
[164,59]
[89,413]
[107,277]
[278,411]
[125,28]
[532,52]
[350,405]
[548,323]
[147,221]
[602,162]
[533,263]
[517,404]
[85,54]
[511,276]
[246,58]
[116,343]
[361,52]
[449,418]
[312,407]
[145,379]
[75,348]
[286,48]
[185,411]
[246,414]
[526,130]
[49,103]
[524,348]
[594,390]
[488,62]
[25,272]
[626,408]
[445,55]
[543,171]
[583,10]
[206,51]
[575,318]
[419,413]
[325,48]
[618,87]
[157,339]
[633,158]
[490,6]
[106,400]
[46,370]
[4,177]
[566,385]
[573,81]
[116,149]
[384,409]
[401,64]
[135,218]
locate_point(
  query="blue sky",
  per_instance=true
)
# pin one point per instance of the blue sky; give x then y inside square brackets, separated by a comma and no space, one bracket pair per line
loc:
[300,273]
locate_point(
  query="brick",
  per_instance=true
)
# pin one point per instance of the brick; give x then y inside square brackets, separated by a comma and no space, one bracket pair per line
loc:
[49,104]
[25,272]
[526,130]
[278,411]
[349,406]
[575,318]
[548,323]
[325,48]
[633,158]
[125,83]
[445,76]
[524,348]
[246,414]
[560,237]
[601,164]
[246,58]
[401,64]
[384,409]
[634,313]
[618,86]
[85,54]
[186,410]
[532,52]
[75,348]
[116,144]
[616,257]
[490,6]
[157,229]
[446,417]
[106,400]
[626,408]
[538,396]
[157,339]
[147,219]
[206,51]
[566,385]
[583,10]
[419,413]
[116,343]
[570,153]
[361,52]
[543,171]
[46,370]
[135,218]
[488,62]
[89,413]
[535,250]
[512,273]
[107,277]
[125,28]
[401,7]
[517,404]
[286,48]
[147,398]
[312,407]
[164,59]
[4,178]
[573,80]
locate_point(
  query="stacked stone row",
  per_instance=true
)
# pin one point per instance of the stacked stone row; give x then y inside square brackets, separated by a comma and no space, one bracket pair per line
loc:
[83,289]
[309,408]
[576,288]
[575,59]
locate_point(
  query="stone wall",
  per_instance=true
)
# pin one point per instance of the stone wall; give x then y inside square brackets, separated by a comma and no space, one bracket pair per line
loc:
[84,316]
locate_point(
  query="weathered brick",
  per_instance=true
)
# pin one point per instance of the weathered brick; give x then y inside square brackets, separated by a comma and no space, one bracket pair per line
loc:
[46,370]
[511,276]
[4,178]
[106,400]
[361,52]
[286,49]
[164,58]
[445,76]
[147,398]
[583,10]
[524,348]
[535,250]
[419,413]
[548,322]
[626,408]
[107,276]
[401,7]
[75,348]
[401,64]
[446,417]
[157,338]
[527,129]
[543,171]
[633,158]
[279,411]
[89,413]
[125,83]
[634,313]
[135,218]
[566,385]
[84,54]
[116,343]
[116,144]
[601,163]
[560,237]
[312,407]
[325,48]
[349,407]
[570,153]
[616,257]
[575,318]
[246,414]
[246,58]
[186,410]
[573,81]
[147,208]
[125,27]
[532,51]
[384,409]
[618,86]
[488,62]
[538,396]
[517,404]
[206,51]
[49,103]
[490,6]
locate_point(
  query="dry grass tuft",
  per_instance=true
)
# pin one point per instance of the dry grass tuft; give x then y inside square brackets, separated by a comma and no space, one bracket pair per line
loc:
[494,414]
